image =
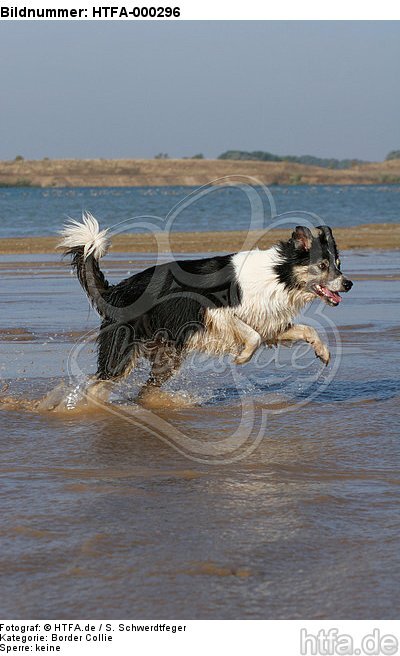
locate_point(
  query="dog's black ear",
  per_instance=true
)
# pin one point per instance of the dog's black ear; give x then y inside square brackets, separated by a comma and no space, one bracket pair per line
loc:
[302,238]
[327,231]
[326,234]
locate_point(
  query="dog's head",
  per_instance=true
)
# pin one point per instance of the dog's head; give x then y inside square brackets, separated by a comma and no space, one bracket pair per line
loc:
[311,263]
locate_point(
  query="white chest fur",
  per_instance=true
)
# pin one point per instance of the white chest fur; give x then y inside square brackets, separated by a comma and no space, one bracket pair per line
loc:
[267,306]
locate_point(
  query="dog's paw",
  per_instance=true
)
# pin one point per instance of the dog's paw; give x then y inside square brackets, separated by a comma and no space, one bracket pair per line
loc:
[243,357]
[322,352]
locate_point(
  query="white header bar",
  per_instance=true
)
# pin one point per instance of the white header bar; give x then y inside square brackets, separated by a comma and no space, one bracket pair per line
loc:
[134,10]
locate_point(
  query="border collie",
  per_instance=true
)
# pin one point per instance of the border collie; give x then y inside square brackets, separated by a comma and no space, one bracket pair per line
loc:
[227,304]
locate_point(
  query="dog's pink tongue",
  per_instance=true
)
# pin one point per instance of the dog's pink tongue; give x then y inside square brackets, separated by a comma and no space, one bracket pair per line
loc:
[333,295]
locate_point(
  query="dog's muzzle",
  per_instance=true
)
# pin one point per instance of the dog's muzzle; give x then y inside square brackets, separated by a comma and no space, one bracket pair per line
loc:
[347,285]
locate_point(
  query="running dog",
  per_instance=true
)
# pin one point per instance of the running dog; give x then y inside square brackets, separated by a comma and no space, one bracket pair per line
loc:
[226,304]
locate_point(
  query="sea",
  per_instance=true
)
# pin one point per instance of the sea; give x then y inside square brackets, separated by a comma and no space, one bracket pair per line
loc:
[29,212]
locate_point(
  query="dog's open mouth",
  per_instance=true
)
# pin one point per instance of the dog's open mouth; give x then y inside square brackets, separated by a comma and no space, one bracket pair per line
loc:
[332,298]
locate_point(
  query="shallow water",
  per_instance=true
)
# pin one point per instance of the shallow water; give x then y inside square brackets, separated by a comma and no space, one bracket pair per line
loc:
[37,212]
[268,491]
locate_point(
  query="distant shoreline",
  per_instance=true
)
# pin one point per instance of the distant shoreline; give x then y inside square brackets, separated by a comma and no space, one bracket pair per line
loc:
[378,236]
[185,172]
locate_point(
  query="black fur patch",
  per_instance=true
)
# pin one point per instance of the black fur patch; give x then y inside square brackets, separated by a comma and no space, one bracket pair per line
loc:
[328,243]
[162,304]
[90,276]
[291,257]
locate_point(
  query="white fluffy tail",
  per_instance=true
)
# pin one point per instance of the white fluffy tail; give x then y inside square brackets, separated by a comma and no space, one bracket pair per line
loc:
[86,235]
[86,244]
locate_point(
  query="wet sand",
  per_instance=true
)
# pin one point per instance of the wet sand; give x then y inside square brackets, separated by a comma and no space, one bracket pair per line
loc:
[373,236]
[271,492]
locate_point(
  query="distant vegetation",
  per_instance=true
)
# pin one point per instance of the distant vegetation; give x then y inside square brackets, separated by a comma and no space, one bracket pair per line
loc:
[394,154]
[385,178]
[22,182]
[264,156]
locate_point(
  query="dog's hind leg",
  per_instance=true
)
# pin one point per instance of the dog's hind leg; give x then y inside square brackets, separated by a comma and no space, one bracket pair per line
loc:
[117,350]
[299,332]
[165,362]
[117,353]
[249,337]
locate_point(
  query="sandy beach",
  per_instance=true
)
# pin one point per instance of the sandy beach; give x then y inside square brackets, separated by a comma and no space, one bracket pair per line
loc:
[382,236]
[159,172]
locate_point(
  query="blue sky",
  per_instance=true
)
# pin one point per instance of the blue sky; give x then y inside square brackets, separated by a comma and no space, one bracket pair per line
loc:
[125,89]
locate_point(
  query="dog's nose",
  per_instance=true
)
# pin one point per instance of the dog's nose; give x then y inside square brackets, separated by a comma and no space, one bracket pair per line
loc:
[347,285]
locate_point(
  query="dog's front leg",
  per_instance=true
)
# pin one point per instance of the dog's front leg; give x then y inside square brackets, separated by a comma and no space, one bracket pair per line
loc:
[299,332]
[249,337]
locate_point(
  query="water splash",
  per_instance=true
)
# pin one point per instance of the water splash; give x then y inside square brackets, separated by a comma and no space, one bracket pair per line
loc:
[89,395]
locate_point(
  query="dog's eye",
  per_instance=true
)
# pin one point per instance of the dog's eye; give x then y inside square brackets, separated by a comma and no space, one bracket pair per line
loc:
[323,266]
